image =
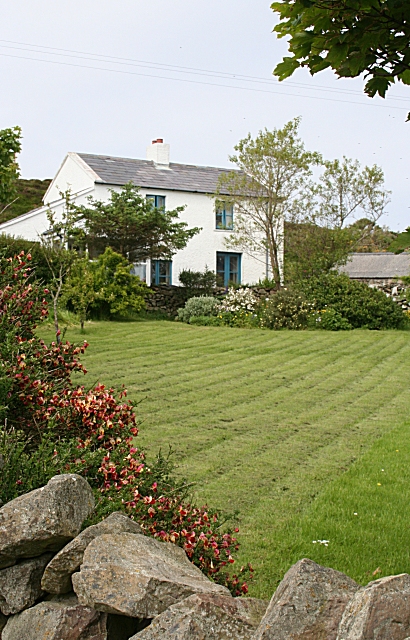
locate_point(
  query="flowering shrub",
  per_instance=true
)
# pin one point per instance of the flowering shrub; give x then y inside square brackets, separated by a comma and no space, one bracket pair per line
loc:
[198,306]
[237,308]
[238,300]
[55,426]
[284,310]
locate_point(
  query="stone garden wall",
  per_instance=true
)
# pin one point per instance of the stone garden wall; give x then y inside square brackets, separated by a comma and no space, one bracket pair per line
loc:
[168,299]
[112,582]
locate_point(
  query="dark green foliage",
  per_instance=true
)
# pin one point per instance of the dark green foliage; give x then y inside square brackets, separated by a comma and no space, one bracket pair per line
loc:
[29,194]
[350,36]
[130,225]
[10,247]
[402,242]
[10,146]
[328,320]
[360,305]
[311,250]
[198,282]
[285,309]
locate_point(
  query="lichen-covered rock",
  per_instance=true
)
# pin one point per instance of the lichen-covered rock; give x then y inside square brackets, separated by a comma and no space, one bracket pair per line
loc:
[44,519]
[57,576]
[207,617]
[20,585]
[307,605]
[379,611]
[137,576]
[63,619]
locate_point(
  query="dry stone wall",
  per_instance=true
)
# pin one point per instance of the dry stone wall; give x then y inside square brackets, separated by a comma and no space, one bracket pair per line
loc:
[111,582]
[168,299]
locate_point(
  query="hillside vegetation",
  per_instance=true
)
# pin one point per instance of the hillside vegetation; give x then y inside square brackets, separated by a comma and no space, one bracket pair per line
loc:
[29,196]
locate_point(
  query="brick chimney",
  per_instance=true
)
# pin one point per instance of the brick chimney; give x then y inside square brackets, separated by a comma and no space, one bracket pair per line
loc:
[158,152]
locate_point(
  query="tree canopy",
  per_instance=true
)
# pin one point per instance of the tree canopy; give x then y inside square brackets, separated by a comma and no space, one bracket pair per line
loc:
[350,36]
[10,146]
[273,168]
[132,226]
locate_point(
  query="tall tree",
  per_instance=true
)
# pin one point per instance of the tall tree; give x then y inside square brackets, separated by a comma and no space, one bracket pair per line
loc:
[10,146]
[131,225]
[273,171]
[350,36]
[334,216]
[346,191]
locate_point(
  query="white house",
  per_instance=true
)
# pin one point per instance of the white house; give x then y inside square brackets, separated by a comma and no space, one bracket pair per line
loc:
[169,184]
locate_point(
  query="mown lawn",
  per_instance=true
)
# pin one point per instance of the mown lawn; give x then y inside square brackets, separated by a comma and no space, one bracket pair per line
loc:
[299,431]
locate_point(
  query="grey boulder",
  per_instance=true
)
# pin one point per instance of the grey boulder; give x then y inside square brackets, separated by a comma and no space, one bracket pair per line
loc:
[207,617]
[308,604]
[137,576]
[20,585]
[44,519]
[379,611]
[57,576]
[64,619]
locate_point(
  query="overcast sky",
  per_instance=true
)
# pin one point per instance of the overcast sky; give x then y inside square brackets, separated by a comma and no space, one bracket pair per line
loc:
[108,77]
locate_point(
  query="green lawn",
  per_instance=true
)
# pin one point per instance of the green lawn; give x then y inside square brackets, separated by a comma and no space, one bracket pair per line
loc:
[292,429]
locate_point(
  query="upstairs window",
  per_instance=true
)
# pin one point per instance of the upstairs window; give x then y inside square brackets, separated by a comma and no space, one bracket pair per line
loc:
[224,216]
[157,201]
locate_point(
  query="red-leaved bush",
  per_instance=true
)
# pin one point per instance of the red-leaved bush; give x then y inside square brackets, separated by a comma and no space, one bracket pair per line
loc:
[93,433]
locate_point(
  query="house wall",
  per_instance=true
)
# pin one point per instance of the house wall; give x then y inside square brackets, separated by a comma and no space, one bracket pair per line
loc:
[199,212]
[74,175]
[201,250]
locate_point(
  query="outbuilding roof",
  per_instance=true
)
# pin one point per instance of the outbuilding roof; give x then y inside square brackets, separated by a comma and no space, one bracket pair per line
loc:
[377,265]
[144,173]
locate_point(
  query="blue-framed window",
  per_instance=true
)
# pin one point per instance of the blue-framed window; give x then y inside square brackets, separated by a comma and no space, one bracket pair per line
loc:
[228,268]
[157,201]
[224,216]
[161,272]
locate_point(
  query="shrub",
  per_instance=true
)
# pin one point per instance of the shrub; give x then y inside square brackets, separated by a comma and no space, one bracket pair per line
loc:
[238,300]
[329,320]
[198,281]
[10,247]
[285,309]
[53,426]
[360,305]
[198,306]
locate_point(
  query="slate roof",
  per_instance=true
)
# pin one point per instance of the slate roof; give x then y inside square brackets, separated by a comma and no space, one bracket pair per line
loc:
[143,173]
[377,265]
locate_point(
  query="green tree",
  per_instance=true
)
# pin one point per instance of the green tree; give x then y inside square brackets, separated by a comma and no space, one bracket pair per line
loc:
[273,171]
[344,190]
[311,249]
[78,290]
[350,36]
[116,290]
[10,146]
[324,229]
[133,227]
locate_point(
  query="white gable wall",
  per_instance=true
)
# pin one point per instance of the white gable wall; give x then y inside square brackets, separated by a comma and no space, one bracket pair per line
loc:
[74,175]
